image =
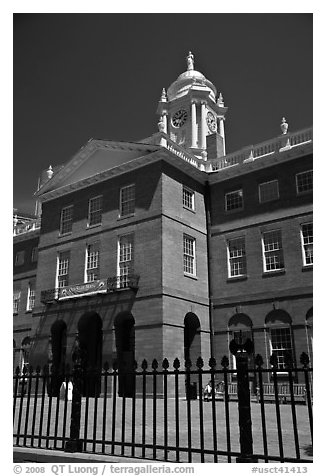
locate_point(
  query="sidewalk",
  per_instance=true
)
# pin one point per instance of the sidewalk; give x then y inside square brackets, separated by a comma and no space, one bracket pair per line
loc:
[39,455]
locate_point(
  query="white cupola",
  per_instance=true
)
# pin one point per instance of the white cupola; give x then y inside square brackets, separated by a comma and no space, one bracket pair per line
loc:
[193,114]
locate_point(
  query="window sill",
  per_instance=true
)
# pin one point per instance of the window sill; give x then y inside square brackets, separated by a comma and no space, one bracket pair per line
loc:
[235,210]
[123,217]
[28,311]
[189,209]
[89,227]
[231,279]
[277,272]
[63,235]
[307,267]
[191,276]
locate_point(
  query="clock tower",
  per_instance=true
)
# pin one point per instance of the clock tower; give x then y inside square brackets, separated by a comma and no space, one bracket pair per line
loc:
[192,114]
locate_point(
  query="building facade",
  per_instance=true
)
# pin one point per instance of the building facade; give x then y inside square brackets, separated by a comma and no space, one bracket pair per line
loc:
[170,248]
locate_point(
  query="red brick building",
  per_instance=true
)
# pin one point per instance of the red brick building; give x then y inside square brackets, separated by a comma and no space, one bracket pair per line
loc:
[170,248]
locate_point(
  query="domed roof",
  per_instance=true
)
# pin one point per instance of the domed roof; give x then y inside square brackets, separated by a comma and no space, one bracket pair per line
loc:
[187,80]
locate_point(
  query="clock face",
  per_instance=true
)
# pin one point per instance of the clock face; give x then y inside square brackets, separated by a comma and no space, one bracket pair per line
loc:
[211,122]
[179,118]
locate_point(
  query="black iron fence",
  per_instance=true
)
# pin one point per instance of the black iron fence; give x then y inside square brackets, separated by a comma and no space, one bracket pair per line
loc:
[194,413]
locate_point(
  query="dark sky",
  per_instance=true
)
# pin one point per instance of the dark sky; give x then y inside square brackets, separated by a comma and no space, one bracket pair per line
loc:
[78,76]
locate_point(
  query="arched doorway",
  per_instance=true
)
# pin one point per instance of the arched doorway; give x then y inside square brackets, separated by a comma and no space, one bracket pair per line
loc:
[192,350]
[58,351]
[25,351]
[240,329]
[192,344]
[91,338]
[124,324]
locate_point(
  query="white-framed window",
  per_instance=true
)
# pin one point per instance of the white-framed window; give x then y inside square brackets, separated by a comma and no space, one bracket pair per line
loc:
[34,254]
[63,269]
[273,251]
[189,255]
[125,259]
[66,220]
[92,267]
[95,210]
[268,191]
[307,243]
[281,344]
[16,301]
[188,198]
[31,297]
[234,200]
[20,258]
[127,200]
[237,257]
[304,182]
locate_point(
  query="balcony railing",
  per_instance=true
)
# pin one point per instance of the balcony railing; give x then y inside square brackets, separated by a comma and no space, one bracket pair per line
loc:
[263,149]
[101,286]
[123,282]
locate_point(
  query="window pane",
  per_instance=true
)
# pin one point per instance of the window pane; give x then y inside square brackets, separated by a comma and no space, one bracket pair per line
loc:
[63,269]
[189,255]
[281,345]
[237,257]
[273,252]
[234,200]
[126,259]
[188,198]
[95,211]
[307,241]
[92,262]
[66,220]
[304,181]
[127,200]
[268,191]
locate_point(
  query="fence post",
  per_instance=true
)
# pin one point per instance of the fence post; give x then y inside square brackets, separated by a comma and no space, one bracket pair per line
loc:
[74,443]
[241,352]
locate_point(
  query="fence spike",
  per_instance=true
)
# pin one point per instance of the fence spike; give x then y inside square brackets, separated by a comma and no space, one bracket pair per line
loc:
[17,370]
[200,363]
[144,365]
[225,362]
[259,360]
[135,365]
[304,359]
[30,370]
[212,362]
[176,363]
[165,364]
[106,366]
[155,364]
[25,370]
[38,369]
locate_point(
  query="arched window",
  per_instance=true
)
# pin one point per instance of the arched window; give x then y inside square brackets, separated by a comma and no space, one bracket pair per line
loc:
[240,326]
[278,323]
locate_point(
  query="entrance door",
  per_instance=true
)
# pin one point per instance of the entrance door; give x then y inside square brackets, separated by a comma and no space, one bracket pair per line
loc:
[125,342]
[90,338]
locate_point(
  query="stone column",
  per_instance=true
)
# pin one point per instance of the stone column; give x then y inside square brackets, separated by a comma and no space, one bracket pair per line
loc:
[203,124]
[165,122]
[221,124]
[193,125]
